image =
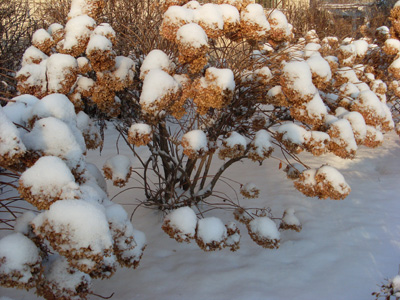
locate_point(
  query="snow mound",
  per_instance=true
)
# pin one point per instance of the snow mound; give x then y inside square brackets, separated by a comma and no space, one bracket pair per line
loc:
[210,234]
[47,181]
[180,224]
[118,169]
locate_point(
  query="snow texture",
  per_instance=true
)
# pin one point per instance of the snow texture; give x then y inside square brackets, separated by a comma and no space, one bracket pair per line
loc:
[54,137]
[192,35]
[20,254]
[197,140]
[50,176]
[211,230]
[83,223]
[265,228]
[156,59]
[10,140]
[58,67]
[184,220]
[156,85]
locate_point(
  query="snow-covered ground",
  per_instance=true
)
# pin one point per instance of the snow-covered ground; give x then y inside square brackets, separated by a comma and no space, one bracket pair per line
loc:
[345,249]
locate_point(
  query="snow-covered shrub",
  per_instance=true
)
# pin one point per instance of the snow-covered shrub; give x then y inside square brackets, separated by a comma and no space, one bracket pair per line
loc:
[224,79]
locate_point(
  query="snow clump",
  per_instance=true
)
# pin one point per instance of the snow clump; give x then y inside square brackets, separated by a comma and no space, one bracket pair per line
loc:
[19,261]
[118,169]
[140,134]
[180,224]
[48,181]
[264,232]
[211,234]
[195,143]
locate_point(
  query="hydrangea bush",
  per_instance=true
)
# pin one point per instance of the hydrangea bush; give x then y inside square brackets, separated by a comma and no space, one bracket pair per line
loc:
[232,82]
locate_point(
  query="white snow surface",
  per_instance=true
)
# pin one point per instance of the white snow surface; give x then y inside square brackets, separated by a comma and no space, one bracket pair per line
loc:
[196,139]
[234,139]
[320,66]
[20,253]
[98,42]
[32,53]
[120,165]
[183,219]
[10,139]
[40,36]
[77,28]
[230,13]
[176,14]
[50,176]
[265,228]
[292,132]
[85,223]
[356,239]
[210,15]
[54,105]
[59,274]
[58,66]
[211,229]
[156,85]
[224,78]
[254,14]
[192,35]
[20,110]
[299,76]
[54,137]
[311,49]
[156,59]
